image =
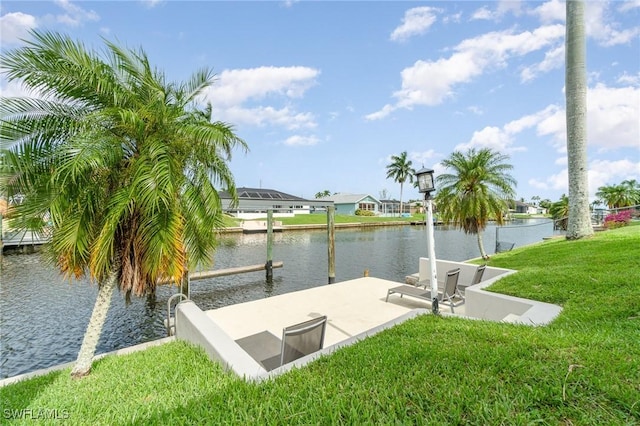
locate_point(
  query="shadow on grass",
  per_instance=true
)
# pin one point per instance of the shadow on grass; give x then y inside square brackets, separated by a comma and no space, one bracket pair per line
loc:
[16,398]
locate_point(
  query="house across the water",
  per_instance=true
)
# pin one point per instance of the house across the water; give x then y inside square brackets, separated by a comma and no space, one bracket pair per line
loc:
[348,203]
[254,203]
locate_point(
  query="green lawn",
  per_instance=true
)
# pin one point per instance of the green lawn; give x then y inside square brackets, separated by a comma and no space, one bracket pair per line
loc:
[583,369]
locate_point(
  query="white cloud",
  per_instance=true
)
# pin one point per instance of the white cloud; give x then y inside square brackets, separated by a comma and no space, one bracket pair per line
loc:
[385,111]
[151,3]
[598,26]
[482,14]
[475,110]
[553,59]
[503,7]
[551,11]
[75,15]
[555,125]
[633,80]
[562,161]
[234,87]
[16,26]
[604,172]
[267,115]
[416,21]
[612,123]
[601,172]
[422,158]
[237,96]
[510,6]
[15,89]
[432,82]
[298,140]
[489,137]
[613,117]
[556,182]
[628,5]
[455,18]
[498,139]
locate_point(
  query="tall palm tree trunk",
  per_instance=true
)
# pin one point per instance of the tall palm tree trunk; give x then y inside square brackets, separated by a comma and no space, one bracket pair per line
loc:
[481,245]
[579,225]
[94,328]
[401,185]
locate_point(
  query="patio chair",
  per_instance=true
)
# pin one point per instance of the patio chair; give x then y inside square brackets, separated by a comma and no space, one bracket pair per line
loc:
[297,341]
[450,294]
[477,277]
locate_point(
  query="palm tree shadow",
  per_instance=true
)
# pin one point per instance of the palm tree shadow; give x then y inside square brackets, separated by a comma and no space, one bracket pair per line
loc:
[17,397]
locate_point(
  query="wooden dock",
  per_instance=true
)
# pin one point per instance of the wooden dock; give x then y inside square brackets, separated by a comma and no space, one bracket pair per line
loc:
[233,271]
[23,240]
[260,226]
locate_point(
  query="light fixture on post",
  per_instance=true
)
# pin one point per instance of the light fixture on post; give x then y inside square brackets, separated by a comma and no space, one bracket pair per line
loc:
[426,186]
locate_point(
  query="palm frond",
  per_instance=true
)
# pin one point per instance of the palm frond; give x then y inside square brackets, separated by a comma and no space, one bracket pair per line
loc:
[125,163]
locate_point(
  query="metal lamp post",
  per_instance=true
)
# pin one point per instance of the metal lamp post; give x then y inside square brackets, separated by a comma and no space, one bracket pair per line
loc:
[426,186]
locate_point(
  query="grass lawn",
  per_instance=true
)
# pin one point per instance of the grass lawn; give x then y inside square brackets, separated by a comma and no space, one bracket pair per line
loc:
[583,369]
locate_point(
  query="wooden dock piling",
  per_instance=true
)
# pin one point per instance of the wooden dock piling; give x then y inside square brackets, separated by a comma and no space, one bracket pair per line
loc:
[269,265]
[331,237]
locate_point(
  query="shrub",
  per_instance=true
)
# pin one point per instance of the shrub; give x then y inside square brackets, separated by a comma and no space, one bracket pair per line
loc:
[361,212]
[617,220]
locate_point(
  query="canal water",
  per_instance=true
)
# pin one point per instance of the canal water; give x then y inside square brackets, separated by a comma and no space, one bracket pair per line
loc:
[43,316]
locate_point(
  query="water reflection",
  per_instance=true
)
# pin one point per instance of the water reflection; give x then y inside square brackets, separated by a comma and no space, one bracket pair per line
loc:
[43,317]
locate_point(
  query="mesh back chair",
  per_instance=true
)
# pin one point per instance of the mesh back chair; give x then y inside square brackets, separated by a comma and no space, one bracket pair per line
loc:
[450,295]
[477,277]
[297,341]
[302,339]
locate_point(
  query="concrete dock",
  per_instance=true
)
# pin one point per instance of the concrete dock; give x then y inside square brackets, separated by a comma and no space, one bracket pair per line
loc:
[352,307]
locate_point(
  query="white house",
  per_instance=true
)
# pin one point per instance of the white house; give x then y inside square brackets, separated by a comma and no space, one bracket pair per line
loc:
[254,203]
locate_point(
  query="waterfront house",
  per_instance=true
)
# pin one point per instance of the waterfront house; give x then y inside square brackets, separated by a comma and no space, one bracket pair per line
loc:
[254,203]
[392,208]
[525,208]
[348,203]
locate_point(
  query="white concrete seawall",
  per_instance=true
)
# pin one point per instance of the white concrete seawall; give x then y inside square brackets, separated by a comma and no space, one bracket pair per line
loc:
[486,305]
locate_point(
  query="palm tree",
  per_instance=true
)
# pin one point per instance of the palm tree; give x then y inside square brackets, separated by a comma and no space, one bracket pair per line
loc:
[626,194]
[124,163]
[560,212]
[633,191]
[322,194]
[400,170]
[614,196]
[579,223]
[477,190]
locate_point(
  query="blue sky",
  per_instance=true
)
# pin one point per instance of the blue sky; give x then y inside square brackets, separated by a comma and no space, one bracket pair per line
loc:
[325,92]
